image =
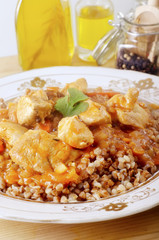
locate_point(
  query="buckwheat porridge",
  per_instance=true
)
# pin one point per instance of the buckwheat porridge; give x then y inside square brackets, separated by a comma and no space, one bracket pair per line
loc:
[75,144]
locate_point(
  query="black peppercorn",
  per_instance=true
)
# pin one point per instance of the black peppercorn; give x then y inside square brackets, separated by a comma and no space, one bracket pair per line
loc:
[131,61]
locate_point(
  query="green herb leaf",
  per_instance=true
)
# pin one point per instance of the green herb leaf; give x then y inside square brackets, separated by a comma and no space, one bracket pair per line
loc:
[79,108]
[76,96]
[62,105]
[73,104]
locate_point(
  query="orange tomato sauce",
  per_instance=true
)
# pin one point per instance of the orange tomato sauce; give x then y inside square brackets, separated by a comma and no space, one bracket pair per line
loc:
[24,177]
[125,138]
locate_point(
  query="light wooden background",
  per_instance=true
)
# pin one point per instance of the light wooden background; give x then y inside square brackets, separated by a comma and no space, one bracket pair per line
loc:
[143,226]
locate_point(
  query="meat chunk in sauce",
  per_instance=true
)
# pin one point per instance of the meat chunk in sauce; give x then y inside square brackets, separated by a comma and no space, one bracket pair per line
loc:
[32,106]
[138,117]
[127,110]
[80,84]
[3,114]
[3,110]
[96,114]
[126,102]
[11,132]
[74,132]
[12,111]
[39,151]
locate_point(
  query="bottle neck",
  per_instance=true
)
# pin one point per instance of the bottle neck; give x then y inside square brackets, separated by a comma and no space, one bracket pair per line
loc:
[65,3]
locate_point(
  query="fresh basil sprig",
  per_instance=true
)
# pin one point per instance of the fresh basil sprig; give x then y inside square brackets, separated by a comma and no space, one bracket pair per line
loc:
[72,104]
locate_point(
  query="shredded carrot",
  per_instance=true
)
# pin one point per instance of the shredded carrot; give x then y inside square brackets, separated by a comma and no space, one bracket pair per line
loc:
[2,147]
[127,140]
[156,160]
[56,89]
[47,126]
[109,94]
[11,176]
[137,149]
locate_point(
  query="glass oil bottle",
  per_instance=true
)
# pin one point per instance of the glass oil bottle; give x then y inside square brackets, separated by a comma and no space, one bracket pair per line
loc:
[92,18]
[44,33]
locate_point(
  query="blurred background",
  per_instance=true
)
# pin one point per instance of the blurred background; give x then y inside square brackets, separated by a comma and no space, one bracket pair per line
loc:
[8,45]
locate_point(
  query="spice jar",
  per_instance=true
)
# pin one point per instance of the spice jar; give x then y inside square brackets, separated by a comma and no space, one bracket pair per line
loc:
[92,18]
[44,33]
[136,46]
[140,48]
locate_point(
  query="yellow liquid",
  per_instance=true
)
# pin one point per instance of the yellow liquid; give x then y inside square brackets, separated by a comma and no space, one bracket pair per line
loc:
[44,33]
[92,25]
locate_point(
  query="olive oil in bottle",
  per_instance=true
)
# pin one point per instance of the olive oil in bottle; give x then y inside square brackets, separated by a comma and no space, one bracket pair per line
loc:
[92,24]
[44,33]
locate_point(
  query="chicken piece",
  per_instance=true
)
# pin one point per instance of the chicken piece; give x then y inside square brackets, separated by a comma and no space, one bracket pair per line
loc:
[80,84]
[32,151]
[2,104]
[137,117]
[126,101]
[38,150]
[12,112]
[95,114]
[32,106]
[3,109]
[11,132]
[127,110]
[3,114]
[75,133]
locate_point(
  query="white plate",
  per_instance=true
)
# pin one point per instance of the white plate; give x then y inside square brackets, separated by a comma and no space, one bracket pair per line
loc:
[137,200]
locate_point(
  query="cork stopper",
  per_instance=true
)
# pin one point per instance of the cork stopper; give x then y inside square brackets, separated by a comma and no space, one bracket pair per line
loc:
[148,14]
[154,3]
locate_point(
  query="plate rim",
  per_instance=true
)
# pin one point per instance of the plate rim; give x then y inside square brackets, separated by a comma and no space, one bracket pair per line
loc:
[41,71]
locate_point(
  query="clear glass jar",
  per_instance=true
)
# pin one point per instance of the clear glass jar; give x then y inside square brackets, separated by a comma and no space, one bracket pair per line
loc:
[92,18]
[44,33]
[139,49]
[136,46]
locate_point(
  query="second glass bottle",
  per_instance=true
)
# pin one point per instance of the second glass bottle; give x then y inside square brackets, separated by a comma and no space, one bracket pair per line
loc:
[92,18]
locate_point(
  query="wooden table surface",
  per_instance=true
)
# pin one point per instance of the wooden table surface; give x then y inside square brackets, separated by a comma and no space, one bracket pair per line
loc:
[143,226]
